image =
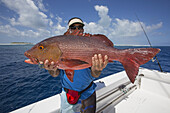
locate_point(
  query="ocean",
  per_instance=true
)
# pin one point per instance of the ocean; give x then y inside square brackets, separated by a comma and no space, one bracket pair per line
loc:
[22,84]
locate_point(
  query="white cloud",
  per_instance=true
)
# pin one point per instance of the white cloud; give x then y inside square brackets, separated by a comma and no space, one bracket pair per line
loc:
[8,30]
[51,23]
[59,19]
[38,25]
[115,28]
[59,29]
[105,20]
[94,28]
[51,15]
[29,14]
[126,28]
[13,32]
[41,5]
[152,27]
[34,23]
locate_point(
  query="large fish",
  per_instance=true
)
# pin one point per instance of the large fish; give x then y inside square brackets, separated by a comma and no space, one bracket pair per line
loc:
[76,52]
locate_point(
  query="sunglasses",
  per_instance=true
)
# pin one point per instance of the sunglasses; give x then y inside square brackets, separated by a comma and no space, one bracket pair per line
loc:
[74,27]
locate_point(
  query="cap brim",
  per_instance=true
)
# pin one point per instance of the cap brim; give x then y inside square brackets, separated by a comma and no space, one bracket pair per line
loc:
[74,21]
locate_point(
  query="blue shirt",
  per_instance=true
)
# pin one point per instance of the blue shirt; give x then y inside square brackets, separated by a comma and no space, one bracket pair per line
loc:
[81,80]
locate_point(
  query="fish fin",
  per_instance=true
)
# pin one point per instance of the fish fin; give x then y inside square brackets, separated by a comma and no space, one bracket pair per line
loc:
[70,74]
[104,39]
[73,62]
[136,57]
[131,68]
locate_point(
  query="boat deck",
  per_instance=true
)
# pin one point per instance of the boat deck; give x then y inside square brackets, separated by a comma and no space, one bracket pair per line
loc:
[142,101]
[152,95]
[115,94]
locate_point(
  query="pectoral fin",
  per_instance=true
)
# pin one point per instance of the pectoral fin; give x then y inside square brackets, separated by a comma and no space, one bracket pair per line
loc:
[72,62]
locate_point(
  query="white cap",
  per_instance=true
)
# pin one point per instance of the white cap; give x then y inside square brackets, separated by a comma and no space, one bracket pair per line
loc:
[75,20]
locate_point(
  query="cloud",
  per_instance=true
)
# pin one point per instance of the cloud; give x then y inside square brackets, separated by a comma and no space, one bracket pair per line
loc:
[59,19]
[125,28]
[51,15]
[116,28]
[153,27]
[58,29]
[8,30]
[51,23]
[41,5]
[13,32]
[36,24]
[94,28]
[29,14]
[102,25]
[105,20]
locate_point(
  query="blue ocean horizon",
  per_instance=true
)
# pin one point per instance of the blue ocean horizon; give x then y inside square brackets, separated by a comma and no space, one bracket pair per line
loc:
[22,84]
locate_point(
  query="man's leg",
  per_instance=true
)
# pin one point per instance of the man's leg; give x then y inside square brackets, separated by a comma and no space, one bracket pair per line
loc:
[89,105]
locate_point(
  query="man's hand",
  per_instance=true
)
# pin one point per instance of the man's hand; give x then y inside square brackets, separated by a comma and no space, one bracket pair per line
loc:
[98,64]
[51,67]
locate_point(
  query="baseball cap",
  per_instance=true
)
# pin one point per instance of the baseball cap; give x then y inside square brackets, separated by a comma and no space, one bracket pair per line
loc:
[74,21]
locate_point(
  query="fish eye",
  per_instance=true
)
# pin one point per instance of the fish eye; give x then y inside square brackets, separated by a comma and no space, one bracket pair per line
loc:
[41,47]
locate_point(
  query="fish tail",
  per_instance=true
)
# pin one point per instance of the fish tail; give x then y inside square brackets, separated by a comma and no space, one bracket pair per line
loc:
[133,58]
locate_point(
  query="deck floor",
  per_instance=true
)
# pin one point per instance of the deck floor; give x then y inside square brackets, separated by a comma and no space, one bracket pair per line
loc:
[141,101]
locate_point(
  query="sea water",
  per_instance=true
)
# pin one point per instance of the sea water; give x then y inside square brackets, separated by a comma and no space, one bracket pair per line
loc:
[22,84]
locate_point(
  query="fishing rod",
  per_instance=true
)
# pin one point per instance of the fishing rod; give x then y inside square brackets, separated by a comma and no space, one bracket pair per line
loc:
[149,42]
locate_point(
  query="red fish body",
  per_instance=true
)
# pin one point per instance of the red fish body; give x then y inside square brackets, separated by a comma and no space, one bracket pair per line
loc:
[76,52]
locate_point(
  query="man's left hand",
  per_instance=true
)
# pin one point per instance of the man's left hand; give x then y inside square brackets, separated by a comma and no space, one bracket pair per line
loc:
[98,64]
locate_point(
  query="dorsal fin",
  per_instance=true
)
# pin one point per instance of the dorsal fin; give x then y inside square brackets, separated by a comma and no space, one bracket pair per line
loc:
[104,39]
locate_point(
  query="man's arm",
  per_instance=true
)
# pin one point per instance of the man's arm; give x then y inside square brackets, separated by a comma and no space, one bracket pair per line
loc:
[98,64]
[54,73]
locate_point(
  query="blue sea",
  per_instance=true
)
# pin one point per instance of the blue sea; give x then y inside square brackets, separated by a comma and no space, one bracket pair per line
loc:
[22,84]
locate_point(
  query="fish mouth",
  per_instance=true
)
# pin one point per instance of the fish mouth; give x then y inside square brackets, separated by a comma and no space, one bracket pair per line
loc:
[31,60]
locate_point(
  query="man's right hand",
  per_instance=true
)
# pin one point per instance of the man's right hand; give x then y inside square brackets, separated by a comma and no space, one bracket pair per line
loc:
[51,67]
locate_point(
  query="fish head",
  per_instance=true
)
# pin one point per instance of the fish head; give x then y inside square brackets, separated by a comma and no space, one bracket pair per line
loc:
[43,51]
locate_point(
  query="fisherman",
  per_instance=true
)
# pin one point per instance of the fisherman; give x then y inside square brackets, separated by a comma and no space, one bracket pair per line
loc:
[78,95]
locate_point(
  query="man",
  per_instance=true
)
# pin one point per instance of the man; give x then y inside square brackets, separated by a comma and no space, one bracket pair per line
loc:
[78,92]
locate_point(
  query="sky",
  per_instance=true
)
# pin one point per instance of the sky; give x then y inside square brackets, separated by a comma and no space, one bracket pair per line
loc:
[35,20]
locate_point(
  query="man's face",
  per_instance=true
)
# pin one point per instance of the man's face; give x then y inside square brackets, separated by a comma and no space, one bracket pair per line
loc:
[76,27]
